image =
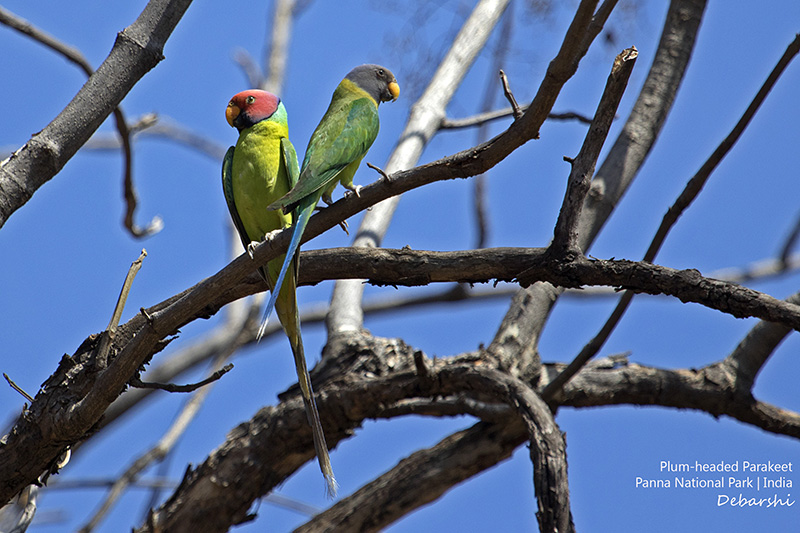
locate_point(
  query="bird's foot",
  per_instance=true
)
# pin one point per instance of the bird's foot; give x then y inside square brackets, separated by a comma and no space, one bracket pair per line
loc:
[355,189]
[251,248]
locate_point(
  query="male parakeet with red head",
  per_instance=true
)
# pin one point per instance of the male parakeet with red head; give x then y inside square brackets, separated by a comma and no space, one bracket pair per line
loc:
[337,146]
[260,169]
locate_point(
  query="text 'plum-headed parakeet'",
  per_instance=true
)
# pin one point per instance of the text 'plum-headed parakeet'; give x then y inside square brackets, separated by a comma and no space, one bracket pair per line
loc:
[260,169]
[337,146]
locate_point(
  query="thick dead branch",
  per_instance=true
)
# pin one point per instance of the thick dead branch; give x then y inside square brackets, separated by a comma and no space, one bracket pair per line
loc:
[687,196]
[365,374]
[138,48]
[95,392]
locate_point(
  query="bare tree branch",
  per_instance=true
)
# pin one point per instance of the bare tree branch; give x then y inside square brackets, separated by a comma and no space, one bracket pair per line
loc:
[687,196]
[421,478]
[138,49]
[191,387]
[752,352]
[479,185]
[157,452]
[215,495]
[490,116]
[107,337]
[790,242]
[565,239]
[74,55]
[278,51]
[17,388]
[159,126]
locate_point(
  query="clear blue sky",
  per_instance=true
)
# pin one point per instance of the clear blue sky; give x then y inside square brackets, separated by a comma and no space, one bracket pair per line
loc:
[65,254]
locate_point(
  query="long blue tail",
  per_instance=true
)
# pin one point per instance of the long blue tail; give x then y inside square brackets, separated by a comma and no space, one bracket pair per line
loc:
[299,228]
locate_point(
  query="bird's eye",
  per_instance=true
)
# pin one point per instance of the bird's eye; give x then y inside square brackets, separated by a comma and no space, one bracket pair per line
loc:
[231,104]
[381,72]
[251,99]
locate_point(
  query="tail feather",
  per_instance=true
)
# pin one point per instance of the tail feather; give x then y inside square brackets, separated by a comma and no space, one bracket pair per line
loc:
[299,228]
[312,413]
[290,319]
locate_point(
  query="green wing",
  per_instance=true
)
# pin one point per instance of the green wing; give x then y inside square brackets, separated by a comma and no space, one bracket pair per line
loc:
[290,159]
[342,137]
[292,174]
[227,188]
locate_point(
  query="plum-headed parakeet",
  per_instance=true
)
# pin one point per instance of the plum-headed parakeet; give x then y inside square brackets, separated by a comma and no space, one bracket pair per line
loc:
[337,146]
[260,169]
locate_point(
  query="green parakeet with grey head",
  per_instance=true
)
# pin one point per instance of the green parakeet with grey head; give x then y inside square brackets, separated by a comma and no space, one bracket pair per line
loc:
[337,146]
[258,171]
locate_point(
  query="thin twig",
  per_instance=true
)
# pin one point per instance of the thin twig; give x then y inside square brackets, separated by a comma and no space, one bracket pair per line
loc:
[151,125]
[515,110]
[191,387]
[278,50]
[380,171]
[101,357]
[479,202]
[687,196]
[249,67]
[490,116]
[789,244]
[18,388]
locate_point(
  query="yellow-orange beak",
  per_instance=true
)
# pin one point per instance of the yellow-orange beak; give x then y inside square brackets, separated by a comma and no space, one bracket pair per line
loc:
[231,112]
[394,88]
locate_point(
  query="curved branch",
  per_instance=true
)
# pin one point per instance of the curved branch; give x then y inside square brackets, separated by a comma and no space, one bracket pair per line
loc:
[73,55]
[349,394]
[753,351]
[138,49]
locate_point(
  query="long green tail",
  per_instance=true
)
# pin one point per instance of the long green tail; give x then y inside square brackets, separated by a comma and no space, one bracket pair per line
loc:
[285,304]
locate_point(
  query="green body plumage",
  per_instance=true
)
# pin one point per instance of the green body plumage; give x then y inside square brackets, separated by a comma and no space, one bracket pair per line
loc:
[337,146]
[261,168]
